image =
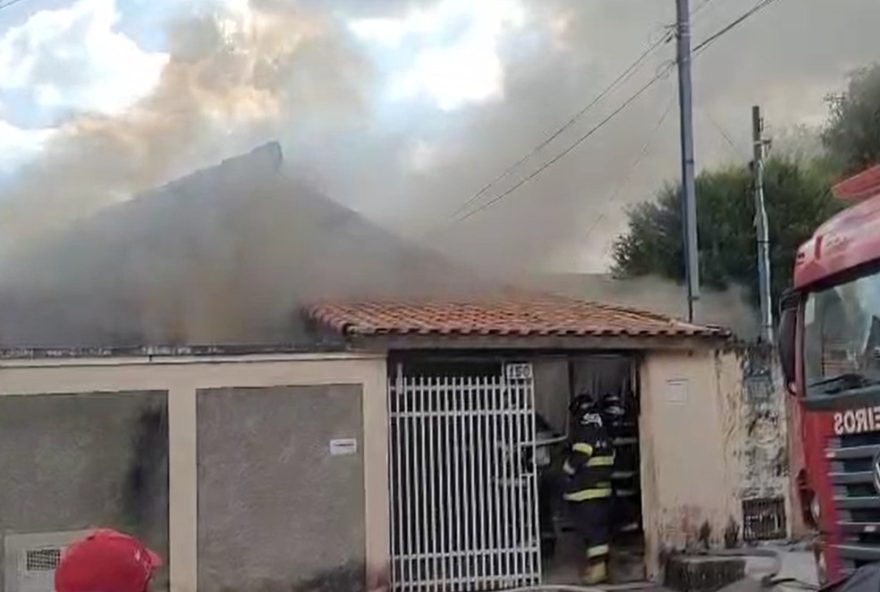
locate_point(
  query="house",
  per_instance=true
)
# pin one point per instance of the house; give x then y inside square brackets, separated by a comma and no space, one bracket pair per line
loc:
[398,452]
[385,434]
[486,367]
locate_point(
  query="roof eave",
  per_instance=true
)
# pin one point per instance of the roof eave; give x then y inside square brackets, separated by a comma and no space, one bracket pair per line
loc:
[395,341]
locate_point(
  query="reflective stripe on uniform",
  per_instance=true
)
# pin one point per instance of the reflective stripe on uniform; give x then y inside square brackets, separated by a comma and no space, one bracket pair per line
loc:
[588,494]
[596,573]
[582,447]
[567,468]
[601,461]
[598,551]
[625,492]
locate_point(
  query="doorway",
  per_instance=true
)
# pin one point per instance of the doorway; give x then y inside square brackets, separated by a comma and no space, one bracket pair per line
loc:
[602,376]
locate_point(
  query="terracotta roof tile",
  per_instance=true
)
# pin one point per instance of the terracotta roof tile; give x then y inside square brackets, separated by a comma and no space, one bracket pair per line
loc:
[542,316]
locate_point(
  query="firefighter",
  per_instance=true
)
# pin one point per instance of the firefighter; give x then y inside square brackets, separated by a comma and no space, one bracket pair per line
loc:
[588,489]
[106,561]
[625,476]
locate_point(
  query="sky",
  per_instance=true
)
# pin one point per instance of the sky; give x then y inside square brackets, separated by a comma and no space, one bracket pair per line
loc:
[404,110]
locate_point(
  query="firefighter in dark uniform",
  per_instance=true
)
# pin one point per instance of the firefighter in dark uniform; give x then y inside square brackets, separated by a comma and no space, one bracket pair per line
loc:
[625,477]
[588,489]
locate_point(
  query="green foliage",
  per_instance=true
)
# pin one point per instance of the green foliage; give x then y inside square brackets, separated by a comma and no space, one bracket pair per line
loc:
[797,197]
[852,135]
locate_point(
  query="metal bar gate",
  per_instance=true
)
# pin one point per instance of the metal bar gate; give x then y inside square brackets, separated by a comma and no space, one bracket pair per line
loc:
[463,482]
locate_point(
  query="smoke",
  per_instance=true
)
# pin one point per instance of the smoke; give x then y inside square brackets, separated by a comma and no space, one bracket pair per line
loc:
[233,79]
[555,63]
[728,309]
[225,255]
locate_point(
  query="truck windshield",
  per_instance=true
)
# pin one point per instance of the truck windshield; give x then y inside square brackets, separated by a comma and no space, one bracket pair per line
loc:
[842,336]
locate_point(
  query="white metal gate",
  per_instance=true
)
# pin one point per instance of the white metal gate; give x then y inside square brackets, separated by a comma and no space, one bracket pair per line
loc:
[463,482]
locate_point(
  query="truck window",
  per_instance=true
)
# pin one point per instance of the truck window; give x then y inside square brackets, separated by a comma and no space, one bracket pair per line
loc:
[842,332]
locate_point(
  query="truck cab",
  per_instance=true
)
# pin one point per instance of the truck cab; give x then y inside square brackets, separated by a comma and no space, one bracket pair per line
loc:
[829,345]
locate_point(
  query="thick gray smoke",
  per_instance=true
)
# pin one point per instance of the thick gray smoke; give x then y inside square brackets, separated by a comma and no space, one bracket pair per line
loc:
[225,256]
[727,309]
[227,86]
[787,59]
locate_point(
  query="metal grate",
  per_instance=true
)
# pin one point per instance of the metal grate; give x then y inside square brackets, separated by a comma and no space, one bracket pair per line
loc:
[856,502]
[764,519]
[42,559]
[464,492]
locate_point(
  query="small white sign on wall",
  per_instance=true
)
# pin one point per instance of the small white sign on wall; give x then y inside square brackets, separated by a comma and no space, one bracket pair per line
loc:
[343,446]
[677,391]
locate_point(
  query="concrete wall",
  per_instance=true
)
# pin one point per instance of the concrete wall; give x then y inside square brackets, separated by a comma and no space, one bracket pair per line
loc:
[706,444]
[266,473]
[182,378]
[77,461]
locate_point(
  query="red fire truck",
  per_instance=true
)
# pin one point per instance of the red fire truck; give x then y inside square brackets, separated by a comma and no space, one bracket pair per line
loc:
[829,346]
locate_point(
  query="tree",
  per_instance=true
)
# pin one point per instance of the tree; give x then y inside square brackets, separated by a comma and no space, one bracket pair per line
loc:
[852,135]
[797,197]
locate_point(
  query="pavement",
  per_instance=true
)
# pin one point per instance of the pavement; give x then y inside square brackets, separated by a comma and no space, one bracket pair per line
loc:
[794,562]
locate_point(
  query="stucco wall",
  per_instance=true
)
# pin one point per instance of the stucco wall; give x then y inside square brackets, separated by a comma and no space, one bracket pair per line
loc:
[705,445]
[182,377]
[266,473]
[77,461]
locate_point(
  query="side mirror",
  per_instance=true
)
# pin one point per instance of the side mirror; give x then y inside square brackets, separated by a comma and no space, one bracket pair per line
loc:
[786,335]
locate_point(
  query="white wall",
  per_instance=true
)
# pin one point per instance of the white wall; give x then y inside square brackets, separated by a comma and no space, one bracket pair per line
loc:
[181,377]
[696,424]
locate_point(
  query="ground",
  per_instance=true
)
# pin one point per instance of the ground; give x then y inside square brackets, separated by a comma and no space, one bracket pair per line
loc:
[795,562]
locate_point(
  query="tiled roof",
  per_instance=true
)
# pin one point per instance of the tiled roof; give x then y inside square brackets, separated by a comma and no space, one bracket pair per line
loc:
[538,316]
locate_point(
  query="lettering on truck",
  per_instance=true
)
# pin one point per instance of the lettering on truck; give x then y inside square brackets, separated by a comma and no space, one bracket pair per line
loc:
[857,421]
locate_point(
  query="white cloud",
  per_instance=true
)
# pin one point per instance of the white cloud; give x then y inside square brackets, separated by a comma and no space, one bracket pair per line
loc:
[19,144]
[73,58]
[452,48]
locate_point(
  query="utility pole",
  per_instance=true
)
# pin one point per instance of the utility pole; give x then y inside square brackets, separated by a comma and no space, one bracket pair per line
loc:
[688,194]
[761,231]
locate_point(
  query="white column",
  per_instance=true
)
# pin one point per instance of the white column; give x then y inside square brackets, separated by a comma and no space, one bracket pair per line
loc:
[182,489]
[376,484]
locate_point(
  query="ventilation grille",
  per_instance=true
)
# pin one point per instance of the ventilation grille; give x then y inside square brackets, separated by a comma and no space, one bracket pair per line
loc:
[42,559]
[30,559]
[764,519]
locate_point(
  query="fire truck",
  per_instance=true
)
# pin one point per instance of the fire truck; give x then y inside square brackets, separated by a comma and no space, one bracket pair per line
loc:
[829,347]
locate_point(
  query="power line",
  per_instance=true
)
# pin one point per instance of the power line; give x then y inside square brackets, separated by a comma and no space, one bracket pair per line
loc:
[699,9]
[702,45]
[734,23]
[638,160]
[622,77]
[720,129]
[9,3]
[662,73]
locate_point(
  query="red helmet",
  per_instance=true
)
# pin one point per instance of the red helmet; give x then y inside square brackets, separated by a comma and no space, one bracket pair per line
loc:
[108,561]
